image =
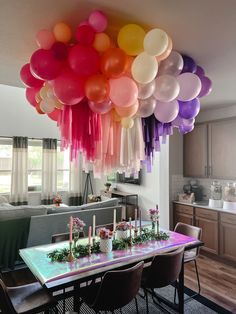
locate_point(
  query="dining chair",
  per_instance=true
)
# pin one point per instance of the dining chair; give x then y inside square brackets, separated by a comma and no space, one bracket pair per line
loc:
[59,237]
[163,271]
[191,255]
[26,299]
[117,289]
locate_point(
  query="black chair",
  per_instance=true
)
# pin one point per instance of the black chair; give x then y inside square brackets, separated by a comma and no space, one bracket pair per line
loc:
[59,237]
[191,255]
[27,299]
[117,288]
[164,270]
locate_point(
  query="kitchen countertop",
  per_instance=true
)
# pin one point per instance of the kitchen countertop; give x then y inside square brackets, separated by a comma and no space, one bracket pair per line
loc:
[204,205]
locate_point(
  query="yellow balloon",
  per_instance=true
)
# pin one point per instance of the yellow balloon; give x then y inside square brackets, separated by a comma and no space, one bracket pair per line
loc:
[130,39]
[127,123]
[62,32]
[101,42]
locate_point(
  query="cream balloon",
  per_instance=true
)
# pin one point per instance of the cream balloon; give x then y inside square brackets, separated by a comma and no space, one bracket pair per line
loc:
[127,123]
[144,68]
[146,107]
[167,88]
[155,42]
[47,105]
[146,90]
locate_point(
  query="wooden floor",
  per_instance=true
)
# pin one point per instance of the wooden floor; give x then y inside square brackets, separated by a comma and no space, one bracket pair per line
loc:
[218,281]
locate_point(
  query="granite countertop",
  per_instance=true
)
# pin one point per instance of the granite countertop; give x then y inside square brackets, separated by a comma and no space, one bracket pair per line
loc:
[204,204]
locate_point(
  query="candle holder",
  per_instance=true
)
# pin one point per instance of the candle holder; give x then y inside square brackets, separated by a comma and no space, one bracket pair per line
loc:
[89,250]
[135,232]
[93,241]
[70,256]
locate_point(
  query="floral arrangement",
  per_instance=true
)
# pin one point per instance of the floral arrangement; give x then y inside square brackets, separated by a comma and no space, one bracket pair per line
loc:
[78,225]
[154,214]
[122,226]
[57,200]
[105,233]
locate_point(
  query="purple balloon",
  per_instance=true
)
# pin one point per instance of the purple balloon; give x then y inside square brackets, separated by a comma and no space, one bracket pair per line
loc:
[189,65]
[200,72]
[189,109]
[186,128]
[206,86]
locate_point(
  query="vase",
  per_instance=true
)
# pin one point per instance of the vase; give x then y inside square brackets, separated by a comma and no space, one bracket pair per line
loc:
[153,225]
[121,234]
[106,245]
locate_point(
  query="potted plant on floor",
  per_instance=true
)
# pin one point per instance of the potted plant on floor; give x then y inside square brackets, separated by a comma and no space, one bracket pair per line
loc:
[105,240]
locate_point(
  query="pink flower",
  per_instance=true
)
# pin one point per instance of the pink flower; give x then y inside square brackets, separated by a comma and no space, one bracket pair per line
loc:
[105,233]
[123,226]
[78,223]
[154,214]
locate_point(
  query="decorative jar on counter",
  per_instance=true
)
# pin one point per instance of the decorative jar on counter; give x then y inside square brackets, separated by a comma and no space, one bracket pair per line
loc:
[215,195]
[230,196]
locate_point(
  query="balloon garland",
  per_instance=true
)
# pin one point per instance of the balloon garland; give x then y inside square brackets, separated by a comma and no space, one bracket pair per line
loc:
[113,101]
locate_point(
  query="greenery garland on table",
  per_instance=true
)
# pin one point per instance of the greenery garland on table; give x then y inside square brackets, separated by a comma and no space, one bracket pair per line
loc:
[121,244]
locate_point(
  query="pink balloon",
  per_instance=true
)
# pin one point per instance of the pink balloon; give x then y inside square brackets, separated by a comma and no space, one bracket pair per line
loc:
[166,111]
[55,114]
[69,88]
[84,60]
[190,86]
[85,35]
[59,50]
[98,20]
[85,22]
[44,65]
[123,91]
[30,94]
[28,79]
[100,107]
[45,39]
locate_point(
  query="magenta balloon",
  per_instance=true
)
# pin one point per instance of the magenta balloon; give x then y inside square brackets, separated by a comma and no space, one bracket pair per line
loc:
[186,129]
[28,79]
[189,109]
[44,65]
[166,111]
[146,107]
[200,71]
[123,91]
[84,60]
[30,94]
[206,86]
[55,114]
[85,35]
[98,20]
[100,107]
[190,86]
[69,88]
[59,51]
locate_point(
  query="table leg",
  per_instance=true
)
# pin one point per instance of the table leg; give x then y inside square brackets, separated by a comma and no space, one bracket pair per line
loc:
[181,289]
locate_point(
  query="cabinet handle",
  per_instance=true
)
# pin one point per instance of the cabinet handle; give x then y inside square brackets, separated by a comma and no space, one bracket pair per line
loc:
[206,171]
[210,170]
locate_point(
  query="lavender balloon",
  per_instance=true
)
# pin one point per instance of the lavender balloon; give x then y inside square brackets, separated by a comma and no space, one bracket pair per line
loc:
[186,129]
[190,86]
[166,111]
[189,109]
[200,71]
[189,64]
[188,122]
[206,86]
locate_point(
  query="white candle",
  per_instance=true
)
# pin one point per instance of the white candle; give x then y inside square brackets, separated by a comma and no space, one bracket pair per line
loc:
[89,235]
[71,226]
[114,220]
[140,222]
[135,218]
[130,227]
[94,225]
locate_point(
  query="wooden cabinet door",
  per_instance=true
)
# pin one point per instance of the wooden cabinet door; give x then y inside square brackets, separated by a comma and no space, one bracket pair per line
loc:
[180,217]
[195,152]
[208,221]
[183,213]
[228,236]
[222,149]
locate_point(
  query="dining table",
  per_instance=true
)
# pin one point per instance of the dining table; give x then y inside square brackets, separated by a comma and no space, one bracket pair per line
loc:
[59,275]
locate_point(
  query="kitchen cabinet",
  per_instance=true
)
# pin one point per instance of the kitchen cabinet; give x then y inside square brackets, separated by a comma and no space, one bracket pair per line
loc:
[208,221]
[210,150]
[228,236]
[183,213]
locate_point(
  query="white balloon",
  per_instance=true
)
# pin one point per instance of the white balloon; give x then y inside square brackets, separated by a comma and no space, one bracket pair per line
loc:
[144,68]
[167,88]
[155,42]
[146,107]
[172,65]
[146,90]
[47,105]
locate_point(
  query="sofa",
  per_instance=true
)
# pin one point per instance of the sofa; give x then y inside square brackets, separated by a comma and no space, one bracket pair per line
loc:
[26,226]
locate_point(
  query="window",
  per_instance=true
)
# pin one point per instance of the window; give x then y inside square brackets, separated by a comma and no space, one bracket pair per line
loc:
[63,169]
[34,165]
[5,165]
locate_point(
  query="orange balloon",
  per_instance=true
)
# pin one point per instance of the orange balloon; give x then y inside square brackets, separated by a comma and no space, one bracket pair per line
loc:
[115,116]
[128,66]
[62,32]
[97,88]
[127,111]
[113,62]
[166,53]
[102,42]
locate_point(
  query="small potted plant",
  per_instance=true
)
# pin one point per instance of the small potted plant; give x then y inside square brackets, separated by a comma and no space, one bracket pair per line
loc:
[107,186]
[122,230]
[154,216]
[57,200]
[105,240]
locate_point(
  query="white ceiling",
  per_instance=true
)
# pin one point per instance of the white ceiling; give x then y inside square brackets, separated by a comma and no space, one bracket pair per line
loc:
[203,29]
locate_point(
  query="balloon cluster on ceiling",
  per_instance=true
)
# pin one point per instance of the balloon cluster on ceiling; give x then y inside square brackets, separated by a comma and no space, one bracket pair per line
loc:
[113,98]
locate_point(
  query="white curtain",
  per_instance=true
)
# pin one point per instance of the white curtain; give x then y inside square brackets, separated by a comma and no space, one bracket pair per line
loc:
[19,179]
[75,184]
[49,170]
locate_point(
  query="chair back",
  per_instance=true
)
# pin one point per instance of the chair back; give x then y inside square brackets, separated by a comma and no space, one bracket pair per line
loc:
[165,269]
[59,237]
[118,288]
[190,231]
[5,302]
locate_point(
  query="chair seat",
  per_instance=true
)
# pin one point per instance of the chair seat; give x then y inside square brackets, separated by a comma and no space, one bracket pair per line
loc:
[89,293]
[32,297]
[189,256]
